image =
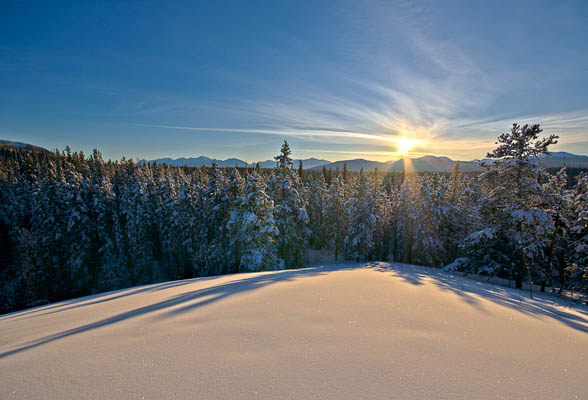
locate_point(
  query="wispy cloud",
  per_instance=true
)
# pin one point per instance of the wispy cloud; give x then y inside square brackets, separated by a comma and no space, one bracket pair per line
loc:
[327,133]
[443,101]
[572,125]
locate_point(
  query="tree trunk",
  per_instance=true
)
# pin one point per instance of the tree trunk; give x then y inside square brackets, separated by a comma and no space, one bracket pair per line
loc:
[550,254]
[518,275]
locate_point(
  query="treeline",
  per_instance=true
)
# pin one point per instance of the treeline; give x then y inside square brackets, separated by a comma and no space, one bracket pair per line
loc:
[73,225]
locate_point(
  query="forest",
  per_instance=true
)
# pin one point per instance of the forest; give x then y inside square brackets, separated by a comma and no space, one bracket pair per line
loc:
[74,225]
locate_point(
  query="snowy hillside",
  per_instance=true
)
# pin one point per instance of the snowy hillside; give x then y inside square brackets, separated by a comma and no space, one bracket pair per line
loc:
[347,331]
[11,145]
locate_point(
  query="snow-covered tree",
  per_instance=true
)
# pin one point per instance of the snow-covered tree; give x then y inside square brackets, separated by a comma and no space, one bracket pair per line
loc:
[252,229]
[317,213]
[557,202]
[336,217]
[516,223]
[578,267]
[360,208]
[217,214]
[430,225]
[383,227]
[290,211]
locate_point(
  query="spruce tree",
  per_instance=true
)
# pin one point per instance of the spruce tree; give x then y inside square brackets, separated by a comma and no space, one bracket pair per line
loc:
[360,211]
[252,229]
[317,207]
[515,220]
[578,265]
[290,211]
[336,217]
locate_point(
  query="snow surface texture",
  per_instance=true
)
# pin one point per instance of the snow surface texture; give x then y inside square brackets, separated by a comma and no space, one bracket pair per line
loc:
[351,331]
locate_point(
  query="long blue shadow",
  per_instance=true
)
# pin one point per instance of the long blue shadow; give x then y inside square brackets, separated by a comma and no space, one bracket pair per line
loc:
[507,297]
[213,294]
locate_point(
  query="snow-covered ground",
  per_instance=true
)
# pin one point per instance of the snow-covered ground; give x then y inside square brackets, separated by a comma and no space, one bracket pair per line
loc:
[348,331]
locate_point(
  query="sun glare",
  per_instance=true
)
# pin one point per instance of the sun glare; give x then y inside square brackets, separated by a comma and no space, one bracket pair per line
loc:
[404,145]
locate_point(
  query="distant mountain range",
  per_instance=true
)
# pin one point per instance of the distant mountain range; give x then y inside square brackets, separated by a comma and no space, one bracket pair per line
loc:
[558,159]
[419,164]
[307,163]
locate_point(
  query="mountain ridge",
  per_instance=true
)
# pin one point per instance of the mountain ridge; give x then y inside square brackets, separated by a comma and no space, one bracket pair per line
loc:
[201,161]
[426,163]
[19,146]
[429,163]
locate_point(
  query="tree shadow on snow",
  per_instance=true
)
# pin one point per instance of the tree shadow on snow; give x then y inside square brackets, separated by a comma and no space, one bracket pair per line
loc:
[541,306]
[188,301]
[416,275]
[99,298]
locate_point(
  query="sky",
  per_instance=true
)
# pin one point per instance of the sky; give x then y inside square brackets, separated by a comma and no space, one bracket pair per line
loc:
[337,79]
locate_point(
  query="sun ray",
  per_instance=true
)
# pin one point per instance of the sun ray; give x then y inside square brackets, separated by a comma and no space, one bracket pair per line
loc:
[404,144]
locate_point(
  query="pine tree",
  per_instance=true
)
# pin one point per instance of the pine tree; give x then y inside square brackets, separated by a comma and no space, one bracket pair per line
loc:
[217,214]
[558,204]
[317,202]
[252,229]
[407,214]
[360,211]
[336,217]
[383,227]
[290,211]
[578,266]
[515,219]
[431,221]
[300,170]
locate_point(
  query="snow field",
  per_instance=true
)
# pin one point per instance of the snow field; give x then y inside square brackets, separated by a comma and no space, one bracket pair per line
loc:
[345,331]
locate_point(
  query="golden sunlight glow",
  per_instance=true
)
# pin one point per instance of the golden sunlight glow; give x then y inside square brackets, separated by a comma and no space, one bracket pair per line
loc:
[404,145]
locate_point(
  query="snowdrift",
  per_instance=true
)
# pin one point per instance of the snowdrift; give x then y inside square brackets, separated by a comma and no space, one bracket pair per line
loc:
[373,330]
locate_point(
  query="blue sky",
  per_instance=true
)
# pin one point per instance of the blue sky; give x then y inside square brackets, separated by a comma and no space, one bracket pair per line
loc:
[338,79]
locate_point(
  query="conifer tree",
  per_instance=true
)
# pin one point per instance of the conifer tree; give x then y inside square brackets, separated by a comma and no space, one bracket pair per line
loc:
[513,213]
[317,210]
[252,243]
[290,211]
[217,214]
[300,170]
[578,266]
[557,202]
[336,217]
[360,211]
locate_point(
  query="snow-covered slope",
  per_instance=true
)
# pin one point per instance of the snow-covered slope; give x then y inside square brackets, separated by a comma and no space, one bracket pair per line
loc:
[349,331]
[8,144]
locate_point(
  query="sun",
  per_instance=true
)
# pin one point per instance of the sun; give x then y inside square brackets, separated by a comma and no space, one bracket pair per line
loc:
[404,145]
